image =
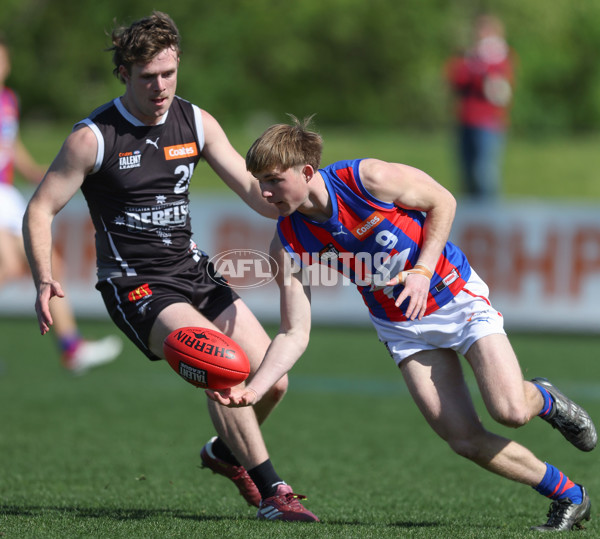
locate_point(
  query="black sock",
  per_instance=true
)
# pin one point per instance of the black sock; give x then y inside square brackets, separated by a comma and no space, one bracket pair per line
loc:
[221,451]
[266,479]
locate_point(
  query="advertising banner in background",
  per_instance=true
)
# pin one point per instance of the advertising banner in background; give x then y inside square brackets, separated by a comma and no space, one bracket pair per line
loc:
[541,261]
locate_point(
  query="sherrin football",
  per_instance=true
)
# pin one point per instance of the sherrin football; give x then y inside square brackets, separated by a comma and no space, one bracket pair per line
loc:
[206,358]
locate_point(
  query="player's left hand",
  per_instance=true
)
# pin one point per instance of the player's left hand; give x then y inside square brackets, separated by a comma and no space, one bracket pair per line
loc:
[235,397]
[416,287]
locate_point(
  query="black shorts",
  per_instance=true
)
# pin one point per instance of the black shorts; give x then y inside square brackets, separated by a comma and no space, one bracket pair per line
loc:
[134,303]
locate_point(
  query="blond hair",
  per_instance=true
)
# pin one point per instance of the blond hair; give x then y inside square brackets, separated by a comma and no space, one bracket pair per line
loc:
[284,146]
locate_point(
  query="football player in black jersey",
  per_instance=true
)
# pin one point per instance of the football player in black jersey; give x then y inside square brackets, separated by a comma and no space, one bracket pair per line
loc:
[133,159]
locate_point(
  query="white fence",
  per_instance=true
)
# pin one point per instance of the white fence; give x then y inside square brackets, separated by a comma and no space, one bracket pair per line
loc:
[540,259]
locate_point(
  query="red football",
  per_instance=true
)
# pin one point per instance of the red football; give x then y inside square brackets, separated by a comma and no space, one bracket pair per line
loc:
[206,358]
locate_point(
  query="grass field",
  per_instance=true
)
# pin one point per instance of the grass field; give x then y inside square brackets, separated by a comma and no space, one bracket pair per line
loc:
[114,453]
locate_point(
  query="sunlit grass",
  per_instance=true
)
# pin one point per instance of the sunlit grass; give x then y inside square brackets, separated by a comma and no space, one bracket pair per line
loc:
[114,453]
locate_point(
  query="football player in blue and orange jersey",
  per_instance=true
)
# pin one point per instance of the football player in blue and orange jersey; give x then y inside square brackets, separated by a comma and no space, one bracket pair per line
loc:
[385,226]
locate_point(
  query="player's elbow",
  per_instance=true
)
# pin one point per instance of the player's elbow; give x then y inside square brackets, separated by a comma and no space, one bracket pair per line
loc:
[36,213]
[301,339]
[449,202]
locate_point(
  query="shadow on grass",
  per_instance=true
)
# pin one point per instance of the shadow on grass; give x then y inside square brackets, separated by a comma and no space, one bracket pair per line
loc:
[407,524]
[112,513]
[142,514]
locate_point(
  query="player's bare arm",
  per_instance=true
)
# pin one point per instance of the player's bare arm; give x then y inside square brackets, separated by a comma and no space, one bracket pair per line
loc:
[289,343]
[230,166]
[64,177]
[26,165]
[411,188]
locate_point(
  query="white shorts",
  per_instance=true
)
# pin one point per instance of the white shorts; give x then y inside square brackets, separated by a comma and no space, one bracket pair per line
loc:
[457,325]
[12,209]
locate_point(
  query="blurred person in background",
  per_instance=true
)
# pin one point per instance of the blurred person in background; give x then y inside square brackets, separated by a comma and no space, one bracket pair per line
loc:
[77,354]
[482,82]
[133,158]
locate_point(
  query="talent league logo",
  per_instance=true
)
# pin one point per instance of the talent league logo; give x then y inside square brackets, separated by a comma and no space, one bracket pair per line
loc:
[192,373]
[129,160]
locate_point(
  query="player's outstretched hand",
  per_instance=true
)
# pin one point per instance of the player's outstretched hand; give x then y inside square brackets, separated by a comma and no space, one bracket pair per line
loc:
[235,397]
[47,290]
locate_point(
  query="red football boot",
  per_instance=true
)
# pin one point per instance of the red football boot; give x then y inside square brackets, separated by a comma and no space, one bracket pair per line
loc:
[237,474]
[285,506]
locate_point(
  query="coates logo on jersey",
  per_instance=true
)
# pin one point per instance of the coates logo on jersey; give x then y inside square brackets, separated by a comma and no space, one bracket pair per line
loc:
[243,268]
[366,228]
[181,151]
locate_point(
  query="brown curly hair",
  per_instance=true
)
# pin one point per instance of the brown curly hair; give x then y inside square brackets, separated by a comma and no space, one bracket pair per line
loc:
[140,42]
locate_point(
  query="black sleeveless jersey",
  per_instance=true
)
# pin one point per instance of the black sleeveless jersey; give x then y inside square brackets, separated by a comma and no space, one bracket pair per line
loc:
[138,191]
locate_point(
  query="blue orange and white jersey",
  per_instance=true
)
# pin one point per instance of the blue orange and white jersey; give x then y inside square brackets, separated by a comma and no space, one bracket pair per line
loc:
[370,241]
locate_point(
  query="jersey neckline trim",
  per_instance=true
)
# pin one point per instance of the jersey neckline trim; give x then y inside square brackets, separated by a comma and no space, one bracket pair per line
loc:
[132,119]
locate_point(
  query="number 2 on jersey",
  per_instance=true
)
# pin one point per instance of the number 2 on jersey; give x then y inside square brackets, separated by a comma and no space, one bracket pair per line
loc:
[185,172]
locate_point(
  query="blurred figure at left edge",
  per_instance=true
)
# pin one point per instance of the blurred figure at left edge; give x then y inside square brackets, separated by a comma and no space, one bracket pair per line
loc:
[77,354]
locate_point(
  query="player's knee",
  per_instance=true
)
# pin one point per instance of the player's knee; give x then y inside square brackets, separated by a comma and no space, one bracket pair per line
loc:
[468,448]
[470,444]
[512,417]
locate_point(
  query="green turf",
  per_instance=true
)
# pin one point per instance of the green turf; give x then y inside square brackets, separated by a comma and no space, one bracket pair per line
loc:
[114,453]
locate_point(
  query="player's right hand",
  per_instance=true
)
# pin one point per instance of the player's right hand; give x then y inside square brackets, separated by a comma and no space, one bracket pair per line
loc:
[236,397]
[46,291]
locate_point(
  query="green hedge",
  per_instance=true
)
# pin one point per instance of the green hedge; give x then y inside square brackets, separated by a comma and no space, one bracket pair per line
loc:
[367,62]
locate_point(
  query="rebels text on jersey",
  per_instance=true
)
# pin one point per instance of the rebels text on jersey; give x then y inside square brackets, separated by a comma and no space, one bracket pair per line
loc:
[369,241]
[138,191]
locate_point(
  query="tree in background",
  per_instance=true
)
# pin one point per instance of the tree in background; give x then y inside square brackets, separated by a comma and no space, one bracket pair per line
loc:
[379,63]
